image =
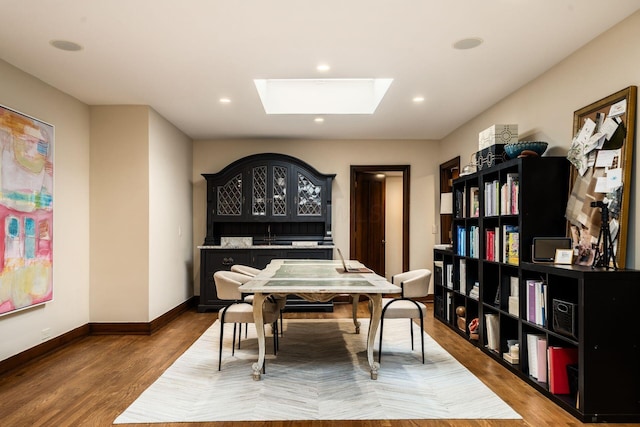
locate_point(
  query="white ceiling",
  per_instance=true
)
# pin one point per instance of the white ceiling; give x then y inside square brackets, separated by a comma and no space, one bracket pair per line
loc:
[181,57]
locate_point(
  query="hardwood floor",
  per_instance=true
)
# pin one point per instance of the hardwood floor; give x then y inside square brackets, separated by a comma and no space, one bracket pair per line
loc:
[90,382]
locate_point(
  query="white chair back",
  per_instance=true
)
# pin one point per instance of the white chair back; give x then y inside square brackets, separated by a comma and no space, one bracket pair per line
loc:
[245,269]
[227,284]
[414,283]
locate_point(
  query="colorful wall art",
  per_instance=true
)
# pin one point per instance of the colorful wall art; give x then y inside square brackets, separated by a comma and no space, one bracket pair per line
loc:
[26,211]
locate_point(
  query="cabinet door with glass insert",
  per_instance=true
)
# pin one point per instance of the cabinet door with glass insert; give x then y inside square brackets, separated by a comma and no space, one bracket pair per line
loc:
[309,195]
[229,197]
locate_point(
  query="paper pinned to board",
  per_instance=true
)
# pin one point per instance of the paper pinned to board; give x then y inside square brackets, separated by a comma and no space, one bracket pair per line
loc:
[618,109]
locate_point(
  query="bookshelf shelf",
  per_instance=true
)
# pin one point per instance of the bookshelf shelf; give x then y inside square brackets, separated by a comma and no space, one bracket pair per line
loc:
[590,327]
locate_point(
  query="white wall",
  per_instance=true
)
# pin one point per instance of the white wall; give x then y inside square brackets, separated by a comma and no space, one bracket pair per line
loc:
[544,108]
[70,306]
[119,213]
[333,157]
[170,217]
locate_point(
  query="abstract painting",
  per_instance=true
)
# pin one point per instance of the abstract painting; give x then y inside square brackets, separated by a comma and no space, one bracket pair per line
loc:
[26,211]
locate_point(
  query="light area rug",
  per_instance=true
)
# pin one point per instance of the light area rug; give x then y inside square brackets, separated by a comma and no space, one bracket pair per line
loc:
[320,373]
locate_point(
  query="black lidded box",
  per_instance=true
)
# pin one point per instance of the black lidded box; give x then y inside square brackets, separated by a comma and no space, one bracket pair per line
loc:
[491,156]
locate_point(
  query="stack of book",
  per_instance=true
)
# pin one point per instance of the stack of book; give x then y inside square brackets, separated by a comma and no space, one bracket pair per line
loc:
[492,198]
[510,244]
[509,193]
[537,302]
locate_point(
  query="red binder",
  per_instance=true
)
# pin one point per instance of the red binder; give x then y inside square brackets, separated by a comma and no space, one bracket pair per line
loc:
[559,358]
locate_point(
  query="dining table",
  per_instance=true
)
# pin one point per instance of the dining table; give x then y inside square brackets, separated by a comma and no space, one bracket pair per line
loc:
[320,281]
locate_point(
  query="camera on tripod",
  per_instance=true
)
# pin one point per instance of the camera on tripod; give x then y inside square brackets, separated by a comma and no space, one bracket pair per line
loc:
[605,255]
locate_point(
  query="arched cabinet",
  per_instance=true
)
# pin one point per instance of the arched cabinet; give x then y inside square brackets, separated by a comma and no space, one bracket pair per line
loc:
[263,207]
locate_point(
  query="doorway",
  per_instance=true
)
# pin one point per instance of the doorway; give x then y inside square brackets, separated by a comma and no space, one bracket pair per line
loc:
[368,242]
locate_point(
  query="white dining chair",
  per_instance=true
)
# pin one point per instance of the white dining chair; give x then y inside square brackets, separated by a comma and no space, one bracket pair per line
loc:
[239,311]
[281,302]
[414,284]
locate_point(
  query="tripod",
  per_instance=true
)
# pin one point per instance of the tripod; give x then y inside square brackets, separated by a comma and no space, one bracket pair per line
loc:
[604,258]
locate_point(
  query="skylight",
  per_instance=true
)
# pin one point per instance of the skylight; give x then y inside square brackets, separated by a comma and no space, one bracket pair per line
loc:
[321,96]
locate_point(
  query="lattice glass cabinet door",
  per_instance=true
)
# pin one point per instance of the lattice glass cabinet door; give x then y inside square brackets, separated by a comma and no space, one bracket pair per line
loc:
[279,206]
[259,190]
[230,197]
[309,198]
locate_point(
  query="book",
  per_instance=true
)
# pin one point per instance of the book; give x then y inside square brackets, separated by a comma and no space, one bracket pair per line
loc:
[514,286]
[536,301]
[512,204]
[506,231]
[532,353]
[474,195]
[558,359]
[493,331]
[462,269]
[542,360]
[514,248]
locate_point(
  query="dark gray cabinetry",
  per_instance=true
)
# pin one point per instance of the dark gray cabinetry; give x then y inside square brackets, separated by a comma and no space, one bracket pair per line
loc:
[212,260]
[274,199]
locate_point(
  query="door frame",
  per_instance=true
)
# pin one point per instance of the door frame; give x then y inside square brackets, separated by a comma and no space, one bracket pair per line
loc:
[405,169]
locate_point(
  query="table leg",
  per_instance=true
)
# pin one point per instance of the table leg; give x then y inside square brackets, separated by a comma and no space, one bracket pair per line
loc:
[376,310]
[258,319]
[355,298]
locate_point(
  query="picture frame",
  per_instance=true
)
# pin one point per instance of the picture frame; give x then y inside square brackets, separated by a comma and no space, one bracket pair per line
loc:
[26,210]
[585,192]
[563,256]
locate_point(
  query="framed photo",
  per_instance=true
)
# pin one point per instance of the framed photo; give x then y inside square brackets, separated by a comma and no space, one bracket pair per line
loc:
[563,256]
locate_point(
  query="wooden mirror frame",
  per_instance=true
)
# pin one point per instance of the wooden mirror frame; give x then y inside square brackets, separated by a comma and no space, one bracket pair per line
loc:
[626,160]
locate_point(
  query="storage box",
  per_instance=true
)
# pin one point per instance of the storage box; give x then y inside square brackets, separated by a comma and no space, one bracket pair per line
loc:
[497,134]
[491,156]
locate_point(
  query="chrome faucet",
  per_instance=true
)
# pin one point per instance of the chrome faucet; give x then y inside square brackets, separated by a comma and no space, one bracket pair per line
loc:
[269,239]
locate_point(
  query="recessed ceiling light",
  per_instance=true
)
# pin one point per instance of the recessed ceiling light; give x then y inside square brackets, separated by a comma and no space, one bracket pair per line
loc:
[468,43]
[225,100]
[319,120]
[323,67]
[65,45]
[418,99]
[321,96]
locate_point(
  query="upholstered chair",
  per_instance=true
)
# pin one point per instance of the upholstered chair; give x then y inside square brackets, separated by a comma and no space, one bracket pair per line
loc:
[414,284]
[239,311]
[281,302]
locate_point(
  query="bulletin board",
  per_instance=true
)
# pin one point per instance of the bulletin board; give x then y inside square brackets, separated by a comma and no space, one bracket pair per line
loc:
[602,157]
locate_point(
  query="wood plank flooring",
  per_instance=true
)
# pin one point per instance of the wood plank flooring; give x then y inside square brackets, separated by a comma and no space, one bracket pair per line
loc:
[90,382]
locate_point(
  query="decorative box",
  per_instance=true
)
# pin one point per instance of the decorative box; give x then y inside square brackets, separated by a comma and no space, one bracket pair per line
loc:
[491,156]
[497,134]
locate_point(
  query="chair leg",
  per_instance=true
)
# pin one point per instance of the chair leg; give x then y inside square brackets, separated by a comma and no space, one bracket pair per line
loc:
[380,346]
[422,336]
[275,337]
[411,329]
[233,341]
[220,352]
[281,325]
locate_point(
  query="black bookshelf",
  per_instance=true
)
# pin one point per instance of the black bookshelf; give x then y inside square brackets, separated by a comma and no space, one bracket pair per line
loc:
[606,378]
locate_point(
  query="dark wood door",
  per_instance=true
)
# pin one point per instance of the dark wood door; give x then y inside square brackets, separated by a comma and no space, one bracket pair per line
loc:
[370,221]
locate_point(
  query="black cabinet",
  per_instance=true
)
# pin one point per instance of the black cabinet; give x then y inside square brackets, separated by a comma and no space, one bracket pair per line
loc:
[273,198]
[582,312]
